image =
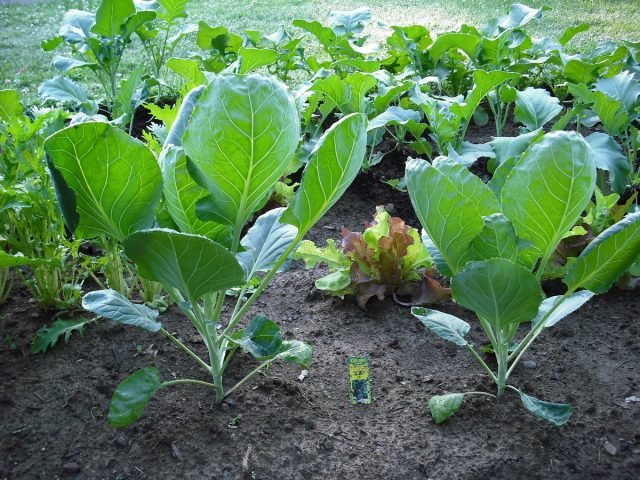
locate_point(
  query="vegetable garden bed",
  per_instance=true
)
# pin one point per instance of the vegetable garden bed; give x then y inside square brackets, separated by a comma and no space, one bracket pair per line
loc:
[54,412]
[502,176]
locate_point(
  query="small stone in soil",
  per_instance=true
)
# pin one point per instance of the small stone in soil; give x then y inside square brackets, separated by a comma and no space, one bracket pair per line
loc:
[610,448]
[71,467]
[529,364]
[121,440]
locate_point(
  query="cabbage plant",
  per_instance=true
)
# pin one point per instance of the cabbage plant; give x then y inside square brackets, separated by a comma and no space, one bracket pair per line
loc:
[496,241]
[231,143]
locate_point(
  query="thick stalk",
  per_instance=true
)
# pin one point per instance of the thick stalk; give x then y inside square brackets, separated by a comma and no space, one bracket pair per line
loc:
[212,340]
[495,109]
[250,301]
[503,364]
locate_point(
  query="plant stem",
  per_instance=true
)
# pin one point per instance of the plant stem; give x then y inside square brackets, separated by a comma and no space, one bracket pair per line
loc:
[190,352]
[486,394]
[249,375]
[503,364]
[482,362]
[236,318]
[182,381]
[516,355]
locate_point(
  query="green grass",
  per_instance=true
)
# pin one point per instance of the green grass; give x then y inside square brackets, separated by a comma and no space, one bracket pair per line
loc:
[23,65]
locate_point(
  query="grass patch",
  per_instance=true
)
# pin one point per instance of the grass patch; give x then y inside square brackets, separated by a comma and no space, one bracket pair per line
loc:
[23,64]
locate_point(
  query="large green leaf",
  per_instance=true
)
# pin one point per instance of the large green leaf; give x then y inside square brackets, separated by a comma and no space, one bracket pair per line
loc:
[297,352]
[265,241]
[66,64]
[132,395]
[360,84]
[483,83]
[333,165]
[446,326]
[240,140]
[17,260]
[581,72]
[470,186]
[10,106]
[107,182]
[556,413]
[174,8]
[507,147]
[111,16]
[350,22]
[622,87]
[114,306]
[444,406]
[450,219]
[76,26]
[254,58]
[397,116]
[608,156]
[181,193]
[262,338]
[179,124]
[64,90]
[466,42]
[496,240]
[571,32]
[519,15]
[607,257]
[189,70]
[566,307]
[535,107]
[193,264]
[549,188]
[498,291]
[611,112]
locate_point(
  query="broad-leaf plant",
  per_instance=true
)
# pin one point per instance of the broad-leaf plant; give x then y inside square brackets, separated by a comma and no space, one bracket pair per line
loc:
[496,241]
[229,145]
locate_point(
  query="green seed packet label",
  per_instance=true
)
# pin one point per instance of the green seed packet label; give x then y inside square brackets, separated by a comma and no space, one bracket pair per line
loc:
[359,381]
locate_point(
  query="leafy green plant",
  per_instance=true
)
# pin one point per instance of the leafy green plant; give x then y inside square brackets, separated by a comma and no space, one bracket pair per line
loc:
[343,42]
[615,101]
[496,242]
[32,230]
[164,33]
[280,52]
[48,337]
[448,118]
[98,42]
[388,258]
[227,148]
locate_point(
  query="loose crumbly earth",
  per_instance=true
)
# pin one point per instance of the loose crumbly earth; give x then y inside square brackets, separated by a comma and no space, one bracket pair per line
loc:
[54,406]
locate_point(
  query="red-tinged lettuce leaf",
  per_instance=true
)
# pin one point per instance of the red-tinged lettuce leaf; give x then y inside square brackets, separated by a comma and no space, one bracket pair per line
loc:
[388,258]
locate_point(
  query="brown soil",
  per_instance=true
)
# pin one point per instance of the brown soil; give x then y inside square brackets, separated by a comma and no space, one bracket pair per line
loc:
[54,406]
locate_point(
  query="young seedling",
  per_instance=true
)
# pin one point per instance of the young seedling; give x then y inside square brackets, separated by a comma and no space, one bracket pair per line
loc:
[229,146]
[495,242]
